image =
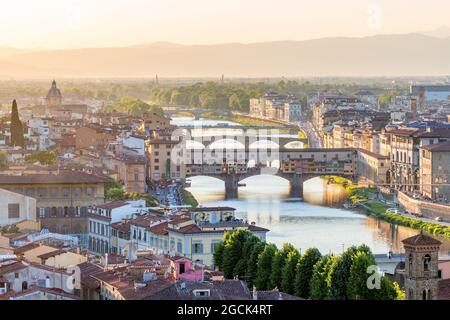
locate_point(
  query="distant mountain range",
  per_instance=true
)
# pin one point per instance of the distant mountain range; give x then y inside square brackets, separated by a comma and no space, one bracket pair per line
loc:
[381,55]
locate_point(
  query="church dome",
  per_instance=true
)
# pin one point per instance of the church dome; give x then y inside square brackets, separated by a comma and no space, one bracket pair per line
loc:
[54,91]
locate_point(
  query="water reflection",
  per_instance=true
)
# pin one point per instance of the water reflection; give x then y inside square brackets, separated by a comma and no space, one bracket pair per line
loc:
[313,223]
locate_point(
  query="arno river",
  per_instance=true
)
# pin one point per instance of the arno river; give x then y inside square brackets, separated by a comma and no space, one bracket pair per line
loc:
[318,221]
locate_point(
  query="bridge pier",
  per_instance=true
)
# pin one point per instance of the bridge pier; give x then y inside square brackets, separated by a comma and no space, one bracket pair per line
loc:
[296,181]
[231,186]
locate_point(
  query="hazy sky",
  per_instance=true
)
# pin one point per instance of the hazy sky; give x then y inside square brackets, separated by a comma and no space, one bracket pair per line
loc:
[89,23]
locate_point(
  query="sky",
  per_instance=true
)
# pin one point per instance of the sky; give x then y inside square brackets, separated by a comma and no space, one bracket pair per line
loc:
[58,24]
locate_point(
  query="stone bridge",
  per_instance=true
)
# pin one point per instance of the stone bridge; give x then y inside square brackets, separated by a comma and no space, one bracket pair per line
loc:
[294,165]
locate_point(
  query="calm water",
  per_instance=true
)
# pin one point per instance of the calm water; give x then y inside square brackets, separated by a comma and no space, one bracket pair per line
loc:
[313,223]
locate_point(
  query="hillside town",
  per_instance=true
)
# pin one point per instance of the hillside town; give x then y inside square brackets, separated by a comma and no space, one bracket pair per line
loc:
[94,207]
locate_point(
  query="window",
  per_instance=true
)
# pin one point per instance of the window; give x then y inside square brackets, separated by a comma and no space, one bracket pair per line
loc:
[65,192]
[426,262]
[41,212]
[77,192]
[53,192]
[13,210]
[197,248]
[89,191]
[179,247]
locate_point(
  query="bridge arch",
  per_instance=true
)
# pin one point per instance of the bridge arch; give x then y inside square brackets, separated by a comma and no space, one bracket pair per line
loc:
[226,143]
[294,145]
[264,144]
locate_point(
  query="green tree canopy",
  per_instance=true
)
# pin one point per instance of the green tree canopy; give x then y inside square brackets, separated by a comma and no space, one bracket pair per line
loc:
[304,271]
[43,157]
[252,265]
[357,288]
[233,251]
[288,275]
[134,107]
[319,284]
[264,268]
[341,272]
[278,263]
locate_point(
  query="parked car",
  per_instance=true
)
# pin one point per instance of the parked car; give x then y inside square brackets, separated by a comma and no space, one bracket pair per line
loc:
[438,219]
[393,210]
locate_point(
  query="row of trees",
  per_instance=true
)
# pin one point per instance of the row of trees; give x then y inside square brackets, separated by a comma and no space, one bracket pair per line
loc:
[221,96]
[307,275]
[134,107]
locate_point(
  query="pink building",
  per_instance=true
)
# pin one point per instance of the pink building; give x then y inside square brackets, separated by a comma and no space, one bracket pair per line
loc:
[183,269]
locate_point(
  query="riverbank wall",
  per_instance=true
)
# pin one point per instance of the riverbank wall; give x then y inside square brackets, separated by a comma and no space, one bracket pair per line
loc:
[428,209]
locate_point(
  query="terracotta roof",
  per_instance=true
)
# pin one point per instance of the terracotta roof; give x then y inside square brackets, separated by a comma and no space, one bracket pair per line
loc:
[25,248]
[69,177]
[160,228]
[123,226]
[12,267]
[421,240]
[405,132]
[435,133]
[372,154]
[146,220]
[439,147]
[52,254]
[219,290]
[55,291]
[87,269]
[127,289]
[113,204]
[275,295]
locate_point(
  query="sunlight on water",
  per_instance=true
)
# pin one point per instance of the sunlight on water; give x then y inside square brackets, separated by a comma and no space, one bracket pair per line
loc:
[266,201]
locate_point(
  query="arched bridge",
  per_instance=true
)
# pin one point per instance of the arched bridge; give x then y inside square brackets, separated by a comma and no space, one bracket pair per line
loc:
[294,165]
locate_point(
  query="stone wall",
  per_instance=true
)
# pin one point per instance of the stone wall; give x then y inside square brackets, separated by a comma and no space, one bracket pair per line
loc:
[428,209]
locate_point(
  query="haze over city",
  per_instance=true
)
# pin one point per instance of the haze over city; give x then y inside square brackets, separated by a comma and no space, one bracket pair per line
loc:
[248,151]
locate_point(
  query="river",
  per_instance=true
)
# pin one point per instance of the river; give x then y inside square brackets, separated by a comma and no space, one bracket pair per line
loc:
[318,221]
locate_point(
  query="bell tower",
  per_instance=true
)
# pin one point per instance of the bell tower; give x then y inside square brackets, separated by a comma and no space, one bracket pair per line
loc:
[421,267]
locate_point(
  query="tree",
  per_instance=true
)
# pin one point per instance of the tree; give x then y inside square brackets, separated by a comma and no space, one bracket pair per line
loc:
[357,288]
[241,266]
[319,284]
[278,264]
[218,255]
[341,272]
[234,102]
[115,194]
[233,251]
[288,275]
[264,268]
[252,265]
[304,271]
[43,157]
[16,127]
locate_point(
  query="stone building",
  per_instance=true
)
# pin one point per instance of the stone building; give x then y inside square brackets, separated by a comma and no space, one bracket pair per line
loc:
[16,207]
[421,267]
[434,171]
[62,199]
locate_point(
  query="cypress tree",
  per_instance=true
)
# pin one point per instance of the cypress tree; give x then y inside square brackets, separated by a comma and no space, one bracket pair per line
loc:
[16,127]
[304,272]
